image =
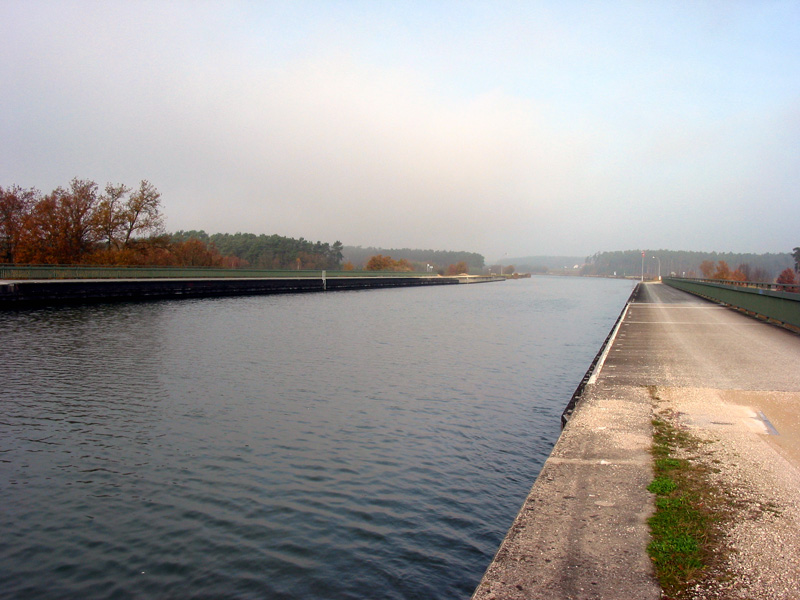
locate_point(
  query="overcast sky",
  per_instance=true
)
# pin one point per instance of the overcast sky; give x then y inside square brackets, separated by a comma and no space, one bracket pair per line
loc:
[513,128]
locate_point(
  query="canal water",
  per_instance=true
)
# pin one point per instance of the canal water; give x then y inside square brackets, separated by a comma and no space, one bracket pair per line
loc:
[372,444]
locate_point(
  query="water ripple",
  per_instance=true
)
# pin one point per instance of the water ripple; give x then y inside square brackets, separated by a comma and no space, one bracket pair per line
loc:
[349,445]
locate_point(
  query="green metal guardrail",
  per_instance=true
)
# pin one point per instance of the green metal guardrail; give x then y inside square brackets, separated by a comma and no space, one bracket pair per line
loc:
[101,272]
[771,301]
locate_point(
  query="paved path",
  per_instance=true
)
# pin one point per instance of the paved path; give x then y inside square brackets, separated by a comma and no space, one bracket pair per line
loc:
[582,531]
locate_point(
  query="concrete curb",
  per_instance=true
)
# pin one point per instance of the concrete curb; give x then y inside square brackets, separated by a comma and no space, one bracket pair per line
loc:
[582,531]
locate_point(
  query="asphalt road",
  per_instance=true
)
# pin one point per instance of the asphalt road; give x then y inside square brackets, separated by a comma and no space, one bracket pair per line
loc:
[670,337]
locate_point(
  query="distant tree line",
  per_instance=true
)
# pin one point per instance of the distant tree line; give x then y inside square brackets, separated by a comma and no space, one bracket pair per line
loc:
[379,262]
[268,251]
[544,264]
[722,271]
[754,267]
[120,225]
[419,260]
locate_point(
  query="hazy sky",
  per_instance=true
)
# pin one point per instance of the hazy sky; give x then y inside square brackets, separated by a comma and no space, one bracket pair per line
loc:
[497,127]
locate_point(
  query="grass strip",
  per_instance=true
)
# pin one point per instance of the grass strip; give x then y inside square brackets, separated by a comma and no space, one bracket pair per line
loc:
[685,527]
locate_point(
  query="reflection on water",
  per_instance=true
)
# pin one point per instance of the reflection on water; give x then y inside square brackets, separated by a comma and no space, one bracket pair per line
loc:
[342,445]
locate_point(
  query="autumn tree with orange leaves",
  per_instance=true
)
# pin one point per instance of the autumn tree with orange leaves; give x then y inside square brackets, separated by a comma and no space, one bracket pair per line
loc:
[787,277]
[15,204]
[77,224]
[123,214]
[387,263]
[59,228]
[707,268]
[723,271]
[458,268]
[738,275]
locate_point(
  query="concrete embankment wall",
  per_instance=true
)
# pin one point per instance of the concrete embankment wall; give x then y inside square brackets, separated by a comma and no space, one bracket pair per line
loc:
[581,532]
[773,305]
[42,292]
[597,362]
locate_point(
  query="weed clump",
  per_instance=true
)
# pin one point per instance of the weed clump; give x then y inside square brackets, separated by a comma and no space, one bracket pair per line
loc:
[685,527]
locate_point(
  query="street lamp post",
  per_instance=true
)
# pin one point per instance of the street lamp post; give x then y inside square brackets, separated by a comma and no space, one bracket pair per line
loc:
[659,267]
[642,279]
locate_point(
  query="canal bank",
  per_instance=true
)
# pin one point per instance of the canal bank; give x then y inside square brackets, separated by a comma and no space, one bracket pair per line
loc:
[24,293]
[582,531]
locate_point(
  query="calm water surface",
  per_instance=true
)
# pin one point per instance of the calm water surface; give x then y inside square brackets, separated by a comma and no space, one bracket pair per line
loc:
[369,444]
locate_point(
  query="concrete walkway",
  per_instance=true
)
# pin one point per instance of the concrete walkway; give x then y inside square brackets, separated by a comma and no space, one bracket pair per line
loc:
[582,531]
